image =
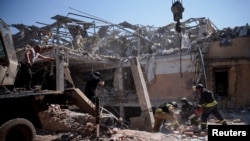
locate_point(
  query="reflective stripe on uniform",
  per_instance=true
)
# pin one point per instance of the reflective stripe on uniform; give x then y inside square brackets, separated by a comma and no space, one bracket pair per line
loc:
[158,110]
[203,123]
[211,104]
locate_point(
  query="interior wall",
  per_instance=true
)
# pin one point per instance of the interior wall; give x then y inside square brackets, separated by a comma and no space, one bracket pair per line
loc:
[171,86]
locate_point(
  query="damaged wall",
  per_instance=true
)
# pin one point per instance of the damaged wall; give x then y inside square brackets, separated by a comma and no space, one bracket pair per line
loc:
[174,79]
[234,59]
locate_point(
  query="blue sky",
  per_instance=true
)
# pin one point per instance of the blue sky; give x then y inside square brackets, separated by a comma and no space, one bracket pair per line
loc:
[223,13]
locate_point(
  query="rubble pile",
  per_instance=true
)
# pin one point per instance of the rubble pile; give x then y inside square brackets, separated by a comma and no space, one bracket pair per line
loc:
[58,119]
[63,125]
[73,124]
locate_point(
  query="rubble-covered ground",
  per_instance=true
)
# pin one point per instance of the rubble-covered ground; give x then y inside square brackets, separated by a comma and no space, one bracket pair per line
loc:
[66,125]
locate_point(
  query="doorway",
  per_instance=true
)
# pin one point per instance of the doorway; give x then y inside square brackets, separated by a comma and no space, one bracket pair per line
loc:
[221,82]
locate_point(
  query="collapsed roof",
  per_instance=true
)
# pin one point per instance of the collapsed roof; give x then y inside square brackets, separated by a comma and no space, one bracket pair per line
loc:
[104,42]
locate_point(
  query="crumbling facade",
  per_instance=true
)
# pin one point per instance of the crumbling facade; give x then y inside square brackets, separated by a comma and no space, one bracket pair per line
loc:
[227,71]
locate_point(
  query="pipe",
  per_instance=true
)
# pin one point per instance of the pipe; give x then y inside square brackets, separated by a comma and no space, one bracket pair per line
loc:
[203,66]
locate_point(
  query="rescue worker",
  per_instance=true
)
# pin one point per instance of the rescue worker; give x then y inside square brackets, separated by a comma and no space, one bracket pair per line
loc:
[165,112]
[188,111]
[91,83]
[209,105]
[187,105]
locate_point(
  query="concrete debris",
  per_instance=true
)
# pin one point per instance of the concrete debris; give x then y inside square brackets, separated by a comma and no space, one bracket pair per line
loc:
[63,124]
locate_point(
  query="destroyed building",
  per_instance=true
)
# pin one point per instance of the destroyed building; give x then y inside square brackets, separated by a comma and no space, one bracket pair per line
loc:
[170,63]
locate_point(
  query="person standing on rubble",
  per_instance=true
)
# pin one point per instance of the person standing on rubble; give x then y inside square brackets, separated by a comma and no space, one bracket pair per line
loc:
[209,105]
[91,83]
[30,56]
[165,112]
